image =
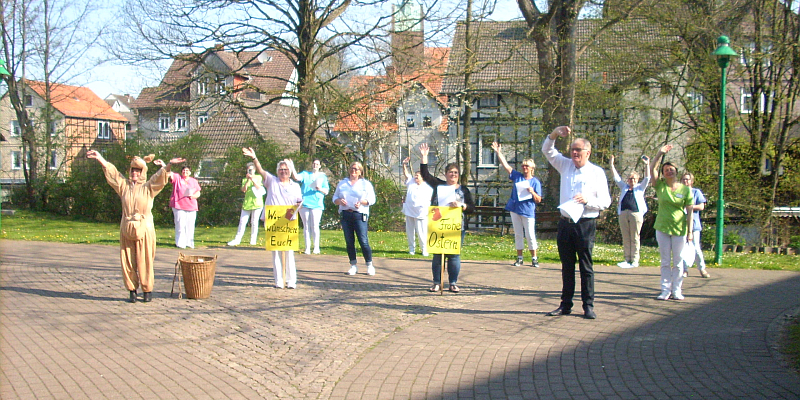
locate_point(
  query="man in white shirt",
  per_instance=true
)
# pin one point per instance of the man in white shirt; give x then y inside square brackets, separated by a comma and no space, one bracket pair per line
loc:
[584,193]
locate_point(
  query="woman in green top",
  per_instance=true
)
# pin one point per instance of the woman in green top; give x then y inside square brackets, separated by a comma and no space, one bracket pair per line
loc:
[251,207]
[673,224]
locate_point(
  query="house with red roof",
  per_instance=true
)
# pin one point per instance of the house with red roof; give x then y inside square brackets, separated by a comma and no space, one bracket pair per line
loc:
[198,86]
[392,114]
[80,120]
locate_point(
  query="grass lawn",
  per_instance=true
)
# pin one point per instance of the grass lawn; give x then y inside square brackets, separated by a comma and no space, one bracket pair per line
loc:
[26,225]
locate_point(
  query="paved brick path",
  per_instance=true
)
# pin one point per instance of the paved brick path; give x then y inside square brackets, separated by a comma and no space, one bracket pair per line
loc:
[66,332]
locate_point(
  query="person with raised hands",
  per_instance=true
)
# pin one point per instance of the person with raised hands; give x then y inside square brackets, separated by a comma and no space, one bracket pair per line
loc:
[281,191]
[137,233]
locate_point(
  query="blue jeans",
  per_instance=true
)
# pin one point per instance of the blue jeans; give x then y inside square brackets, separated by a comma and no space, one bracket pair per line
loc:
[453,265]
[354,225]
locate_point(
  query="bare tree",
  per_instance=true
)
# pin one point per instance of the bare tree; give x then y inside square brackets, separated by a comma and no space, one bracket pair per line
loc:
[312,34]
[44,40]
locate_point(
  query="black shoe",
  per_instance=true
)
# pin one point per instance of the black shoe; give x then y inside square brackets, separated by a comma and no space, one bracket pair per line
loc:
[148,297]
[133,297]
[559,311]
[588,313]
[535,263]
[518,263]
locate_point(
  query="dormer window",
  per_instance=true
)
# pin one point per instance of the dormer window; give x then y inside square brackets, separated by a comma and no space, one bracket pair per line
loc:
[202,86]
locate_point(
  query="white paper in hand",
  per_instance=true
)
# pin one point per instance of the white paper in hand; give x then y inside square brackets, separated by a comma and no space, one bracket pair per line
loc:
[687,255]
[446,195]
[573,209]
[522,190]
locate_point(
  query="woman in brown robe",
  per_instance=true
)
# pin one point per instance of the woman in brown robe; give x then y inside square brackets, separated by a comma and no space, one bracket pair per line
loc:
[137,234]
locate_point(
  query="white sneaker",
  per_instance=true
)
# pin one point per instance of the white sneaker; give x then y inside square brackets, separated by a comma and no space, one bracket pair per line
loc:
[664,295]
[253,243]
[316,251]
[624,264]
[635,265]
[677,295]
[370,270]
[233,243]
[353,270]
[307,251]
[424,253]
[411,253]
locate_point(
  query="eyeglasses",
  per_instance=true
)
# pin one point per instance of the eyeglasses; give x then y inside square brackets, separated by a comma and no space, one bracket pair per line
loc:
[283,169]
[355,169]
[578,149]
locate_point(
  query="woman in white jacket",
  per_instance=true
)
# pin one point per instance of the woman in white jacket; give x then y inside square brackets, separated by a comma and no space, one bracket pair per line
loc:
[631,209]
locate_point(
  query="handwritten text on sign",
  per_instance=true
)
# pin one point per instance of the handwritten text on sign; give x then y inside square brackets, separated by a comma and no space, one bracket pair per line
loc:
[444,230]
[280,223]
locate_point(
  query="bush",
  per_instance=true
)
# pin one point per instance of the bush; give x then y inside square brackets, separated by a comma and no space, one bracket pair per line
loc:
[734,239]
[794,241]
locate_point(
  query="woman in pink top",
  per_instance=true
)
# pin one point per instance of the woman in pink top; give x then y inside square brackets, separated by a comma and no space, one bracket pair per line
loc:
[185,191]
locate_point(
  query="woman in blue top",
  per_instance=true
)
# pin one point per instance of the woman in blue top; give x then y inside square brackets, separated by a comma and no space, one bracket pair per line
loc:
[314,185]
[699,201]
[631,209]
[526,192]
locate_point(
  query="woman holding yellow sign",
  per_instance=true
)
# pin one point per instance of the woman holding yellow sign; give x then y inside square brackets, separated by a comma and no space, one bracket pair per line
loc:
[281,191]
[446,193]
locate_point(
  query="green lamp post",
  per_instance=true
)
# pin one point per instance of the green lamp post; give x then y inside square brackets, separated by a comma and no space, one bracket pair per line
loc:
[723,54]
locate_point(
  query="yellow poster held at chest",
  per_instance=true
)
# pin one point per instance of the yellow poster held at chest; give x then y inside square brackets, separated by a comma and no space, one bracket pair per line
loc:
[280,223]
[444,230]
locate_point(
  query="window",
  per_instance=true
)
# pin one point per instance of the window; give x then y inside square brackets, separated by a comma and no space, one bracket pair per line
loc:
[202,118]
[103,130]
[128,127]
[15,129]
[487,155]
[53,160]
[16,160]
[202,86]
[694,101]
[53,128]
[488,101]
[745,101]
[427,121]
[163,122]
[28,100]
[180,122]
[411,120]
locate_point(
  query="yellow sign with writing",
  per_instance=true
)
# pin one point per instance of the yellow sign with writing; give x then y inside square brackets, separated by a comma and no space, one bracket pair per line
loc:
[444,230]
[280,223]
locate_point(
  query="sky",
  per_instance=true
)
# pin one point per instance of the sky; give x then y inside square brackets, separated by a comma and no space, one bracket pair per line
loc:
[128,79]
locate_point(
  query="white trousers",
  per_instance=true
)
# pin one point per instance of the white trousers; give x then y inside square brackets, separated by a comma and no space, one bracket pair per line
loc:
[698,252]
[253,216]
[671,270]
[277,267]
[184,227]
[524,231]
[417,228]
[311,218]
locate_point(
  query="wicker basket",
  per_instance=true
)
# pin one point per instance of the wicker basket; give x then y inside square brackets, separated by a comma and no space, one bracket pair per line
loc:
[198,275]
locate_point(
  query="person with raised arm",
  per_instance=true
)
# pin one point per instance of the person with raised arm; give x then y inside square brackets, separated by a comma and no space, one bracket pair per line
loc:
[415,208]
[281,191]
[252,205]
[185,191]
[631,209]
[314,185]
[462,199]
[673,224]
[583,194]
[526,192]
[137,233]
